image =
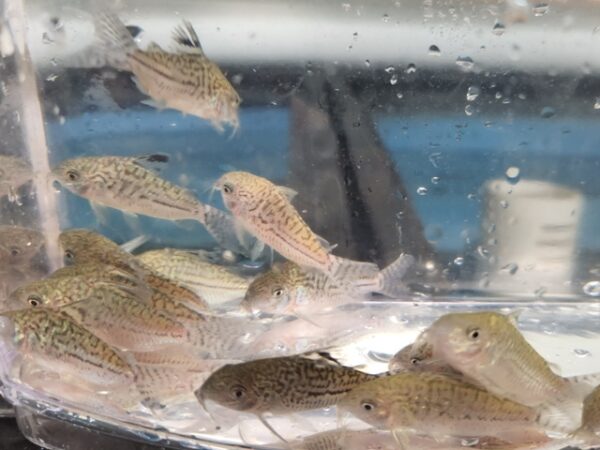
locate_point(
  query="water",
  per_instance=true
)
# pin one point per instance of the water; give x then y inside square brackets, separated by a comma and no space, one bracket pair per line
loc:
[463,134]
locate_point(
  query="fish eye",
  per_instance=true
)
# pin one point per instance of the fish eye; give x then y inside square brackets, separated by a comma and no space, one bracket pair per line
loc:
[278,292]
[34,300]
[72,175]
[15,251]
[473,334]
[228,188]
[69,255]
[238,392]
[367,406]
[414,361]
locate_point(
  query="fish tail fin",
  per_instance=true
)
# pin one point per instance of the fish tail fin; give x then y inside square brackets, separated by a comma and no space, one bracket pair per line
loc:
[115,39]
[355,271]
[561,416]
[583,437]
[390,278]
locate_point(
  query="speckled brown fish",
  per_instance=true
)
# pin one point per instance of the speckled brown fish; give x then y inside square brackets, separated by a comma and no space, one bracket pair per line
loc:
[185,80]
[589,431]
[19,245]
[280,385]
[438,405]
[83,246]
[265,211]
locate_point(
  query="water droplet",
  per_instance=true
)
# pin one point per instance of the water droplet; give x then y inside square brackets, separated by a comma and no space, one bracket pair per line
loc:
[472,93]
[55,110]
[512,174]
[399,95]
[435,180]
[62,120]
[434,50]
[346,6]
[469,442]
[422,190]
[389,69]
[46,39]
[459,261]
[498,28]
[510,268]
[367,63]
[582,353]
[592,288]
[385,18]
[597,104]
[51,77]
[54,62]
[411,68]
[469,110]
[465,62]
[540,9]
[483,252]
[394,79]
[504,204]
[547,112]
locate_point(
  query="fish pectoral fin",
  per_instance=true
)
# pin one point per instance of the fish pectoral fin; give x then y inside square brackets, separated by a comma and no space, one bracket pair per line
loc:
[270,428]
[187,39]
[390,278]
[153,47]
[401,438]
[287,192]
[157,104]
[257,250]
[134,243]
[132,220]
[564,416]
[101,213]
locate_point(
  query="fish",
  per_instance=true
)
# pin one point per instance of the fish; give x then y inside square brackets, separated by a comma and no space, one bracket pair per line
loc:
[265,211]
[488,348]
[81,246]
[215,284]
[291,289]
[126,183]
[14,173]
[186,80]
[52,340]
[437,405]
[19,245]
[117,317]
[404,361]
[280,385]
[67,286]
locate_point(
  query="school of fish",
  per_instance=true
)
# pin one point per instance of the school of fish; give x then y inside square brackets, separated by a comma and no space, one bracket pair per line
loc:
[121,329]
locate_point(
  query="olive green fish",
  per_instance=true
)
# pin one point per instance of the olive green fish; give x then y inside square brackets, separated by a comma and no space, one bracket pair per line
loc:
[290,289]
[215,284]
[438,405]
[265,211]
[589,431]
[488,348]
[280,385]
[185,80]
[53,340]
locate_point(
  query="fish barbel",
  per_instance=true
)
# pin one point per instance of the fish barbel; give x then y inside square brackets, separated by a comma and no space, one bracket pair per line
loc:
[185,80]
[290,289]
[124,183]
[214,283]
[405,361]
[83,246]
[265,211]
[439,405]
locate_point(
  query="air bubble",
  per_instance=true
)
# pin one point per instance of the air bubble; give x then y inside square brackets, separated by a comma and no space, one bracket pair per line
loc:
[465,62]
[592,288]
[411,68]
[394,79]
[469,110]
[367,63]
[472,93]
[422,190]
[399,95]
[46,39]
[498,29]
[459,261]
[504,204]
[389,69]
[385,18]
[435,180]
[512,174]
[582,353]
[434,50]
[540,9]
[547,112]
[510,268]
[597,104]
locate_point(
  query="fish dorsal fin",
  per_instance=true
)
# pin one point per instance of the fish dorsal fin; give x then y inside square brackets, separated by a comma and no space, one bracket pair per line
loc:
[151,162]
[287,192]
[322,357]
[187,39]
[513,316]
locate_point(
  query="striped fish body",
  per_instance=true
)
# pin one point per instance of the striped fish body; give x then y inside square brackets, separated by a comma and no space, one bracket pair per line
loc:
[123,183]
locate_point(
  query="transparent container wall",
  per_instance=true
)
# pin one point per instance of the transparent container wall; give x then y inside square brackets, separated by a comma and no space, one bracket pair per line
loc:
[464,133]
